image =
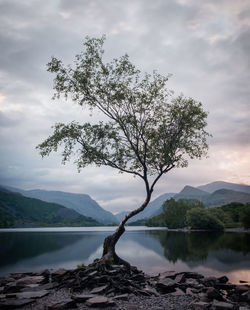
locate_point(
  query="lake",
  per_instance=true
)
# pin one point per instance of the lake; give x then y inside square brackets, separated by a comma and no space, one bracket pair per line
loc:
[152,250]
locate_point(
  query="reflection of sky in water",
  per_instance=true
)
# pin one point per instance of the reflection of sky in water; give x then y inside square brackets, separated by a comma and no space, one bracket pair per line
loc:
[152,252]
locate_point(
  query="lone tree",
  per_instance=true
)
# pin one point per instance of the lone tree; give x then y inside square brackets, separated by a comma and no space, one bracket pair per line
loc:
[146,132]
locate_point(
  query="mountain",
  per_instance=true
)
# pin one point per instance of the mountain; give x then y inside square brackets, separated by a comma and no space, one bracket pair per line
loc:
[214,186]
[189,192]
[153,208]
[81,203]
[121,215]
[19,211]
[225,196]
[217,198]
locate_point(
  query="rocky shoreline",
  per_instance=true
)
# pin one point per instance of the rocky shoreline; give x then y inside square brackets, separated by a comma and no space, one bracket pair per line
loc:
[116,287]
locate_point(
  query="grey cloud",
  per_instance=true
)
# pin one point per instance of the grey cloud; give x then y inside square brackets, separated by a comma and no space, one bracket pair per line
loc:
[204,44]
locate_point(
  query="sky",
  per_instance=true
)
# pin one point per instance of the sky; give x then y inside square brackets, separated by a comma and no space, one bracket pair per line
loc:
[204,45]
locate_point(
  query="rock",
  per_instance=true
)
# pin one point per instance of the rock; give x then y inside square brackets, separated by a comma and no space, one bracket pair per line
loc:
[12,288]
[245,296]
[47,286]
[121,297]
[14,303]
[168,274]
[189,291]
[30,280]
[2,296]
[59,272]
[212,293]
[82,297]
[98,290]
[226,286]
[191,282]
[242,288]
[177,292]
[221,305]
[243,281]
[100,301]
[65,304]
[200,305]
[193,275]
[152,291]
[32,294]
[93,273]
[166,285]
[209,281]
[180,278]
[223,279]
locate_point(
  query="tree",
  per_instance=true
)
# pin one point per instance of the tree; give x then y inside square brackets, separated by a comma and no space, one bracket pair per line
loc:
[146,131]
[174,212]
[245,216]
[198,218]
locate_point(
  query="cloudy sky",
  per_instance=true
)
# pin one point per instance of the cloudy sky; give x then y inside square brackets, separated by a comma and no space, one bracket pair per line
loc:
[205,45]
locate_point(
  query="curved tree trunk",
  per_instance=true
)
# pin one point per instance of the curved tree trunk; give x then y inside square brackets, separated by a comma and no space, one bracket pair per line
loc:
[109,255]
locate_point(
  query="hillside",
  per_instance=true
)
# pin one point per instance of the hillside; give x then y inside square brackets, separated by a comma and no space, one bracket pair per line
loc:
[225,196]
[19,211]
[81,203]
[189,192]
[214,186]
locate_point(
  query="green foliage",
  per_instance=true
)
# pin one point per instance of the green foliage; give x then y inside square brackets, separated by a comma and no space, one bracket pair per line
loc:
[147,131]
[245,216]
[221,215]
[233,210]
[198,218]
[174,212]
[16,210]
[81,266]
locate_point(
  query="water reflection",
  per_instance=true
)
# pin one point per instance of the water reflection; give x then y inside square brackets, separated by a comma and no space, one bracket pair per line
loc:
[152,251]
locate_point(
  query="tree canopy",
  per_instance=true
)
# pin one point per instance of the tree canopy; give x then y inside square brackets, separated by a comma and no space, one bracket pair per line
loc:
[147,132]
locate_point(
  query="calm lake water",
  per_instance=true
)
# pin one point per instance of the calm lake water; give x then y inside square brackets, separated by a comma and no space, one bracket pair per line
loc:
[152,250]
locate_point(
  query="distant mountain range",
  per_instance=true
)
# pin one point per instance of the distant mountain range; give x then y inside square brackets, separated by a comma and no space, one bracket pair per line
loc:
[212,194]
[19,211]
[81,203]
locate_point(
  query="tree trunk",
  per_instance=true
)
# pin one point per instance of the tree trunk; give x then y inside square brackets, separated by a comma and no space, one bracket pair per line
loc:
[109,255]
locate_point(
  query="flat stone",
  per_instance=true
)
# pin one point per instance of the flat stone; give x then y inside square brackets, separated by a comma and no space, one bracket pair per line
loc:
[98,290]
[221,305]
[121,297]
[32,294]
[82,297]
[30,280]
[59,272]
[189,291]
[242,288]
[223,279]
[212,293]
[209,281]
[193,275]
[200,305]
[47,286]
[245,296]
[151,291]
[168,274]
[93,273]
[65,304]
[180,278]
[100,301]
[14,303]
[191,281]
[178,292]
[166,285]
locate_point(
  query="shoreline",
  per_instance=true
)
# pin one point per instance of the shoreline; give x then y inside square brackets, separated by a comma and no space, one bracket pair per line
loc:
[116,287]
